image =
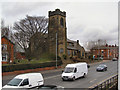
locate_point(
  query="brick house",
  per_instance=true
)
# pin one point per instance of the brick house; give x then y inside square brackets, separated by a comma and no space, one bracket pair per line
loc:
[7,50]
[107,52]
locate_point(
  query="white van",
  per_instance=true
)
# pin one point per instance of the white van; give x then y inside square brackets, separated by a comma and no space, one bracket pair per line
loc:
[74,71]
[28,80]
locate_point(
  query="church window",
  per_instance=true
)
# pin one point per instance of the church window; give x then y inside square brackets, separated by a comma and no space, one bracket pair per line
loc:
[61,22]
[61,50]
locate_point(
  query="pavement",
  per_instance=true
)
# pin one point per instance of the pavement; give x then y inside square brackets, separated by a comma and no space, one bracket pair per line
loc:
[41,69]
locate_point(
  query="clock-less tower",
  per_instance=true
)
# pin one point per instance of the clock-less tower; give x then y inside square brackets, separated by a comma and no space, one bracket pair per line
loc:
[57,31]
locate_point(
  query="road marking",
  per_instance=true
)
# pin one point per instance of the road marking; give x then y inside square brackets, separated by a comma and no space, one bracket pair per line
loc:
[101,81]
[52,77]
[92,80]
[48,71]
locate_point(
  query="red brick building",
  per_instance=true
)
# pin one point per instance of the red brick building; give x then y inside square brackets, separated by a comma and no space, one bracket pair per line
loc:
[107,52]
[7,50]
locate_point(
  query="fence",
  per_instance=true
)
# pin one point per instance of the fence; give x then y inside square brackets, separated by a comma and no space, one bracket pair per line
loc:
[110,84]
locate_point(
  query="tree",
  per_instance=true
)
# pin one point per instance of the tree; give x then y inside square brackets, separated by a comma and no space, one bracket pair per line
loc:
[26,28]
[90,44]
[5,30]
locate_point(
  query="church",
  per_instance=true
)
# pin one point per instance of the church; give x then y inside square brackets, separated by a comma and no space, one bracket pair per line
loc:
[56,41]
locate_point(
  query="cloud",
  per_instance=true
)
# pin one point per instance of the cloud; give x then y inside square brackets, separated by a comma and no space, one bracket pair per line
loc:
[85,20]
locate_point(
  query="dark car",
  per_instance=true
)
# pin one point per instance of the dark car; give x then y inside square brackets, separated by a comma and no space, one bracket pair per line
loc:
[50,87]
[114,59]
[101,67]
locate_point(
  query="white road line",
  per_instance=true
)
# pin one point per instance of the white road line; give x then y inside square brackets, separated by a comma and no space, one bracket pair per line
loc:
[101,81]
[92,80]
[52,77]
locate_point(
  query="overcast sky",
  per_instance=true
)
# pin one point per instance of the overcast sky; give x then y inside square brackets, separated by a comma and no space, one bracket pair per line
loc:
[85,21]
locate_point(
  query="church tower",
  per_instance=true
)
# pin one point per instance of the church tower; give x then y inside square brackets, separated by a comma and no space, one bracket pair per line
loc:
[57,31]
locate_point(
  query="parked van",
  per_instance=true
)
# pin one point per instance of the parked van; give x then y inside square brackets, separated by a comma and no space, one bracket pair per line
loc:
[74,71]
[28,80]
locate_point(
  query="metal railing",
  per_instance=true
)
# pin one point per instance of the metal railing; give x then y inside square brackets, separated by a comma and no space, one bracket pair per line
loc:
[109,84]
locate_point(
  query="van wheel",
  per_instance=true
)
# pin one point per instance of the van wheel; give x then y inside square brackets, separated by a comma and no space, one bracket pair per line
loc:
[73,78]
[84,75]
[106,69]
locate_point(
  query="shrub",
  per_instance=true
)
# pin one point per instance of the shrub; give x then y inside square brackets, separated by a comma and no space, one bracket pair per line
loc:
[64,56]
[71,57]
[15,67]
[53,57]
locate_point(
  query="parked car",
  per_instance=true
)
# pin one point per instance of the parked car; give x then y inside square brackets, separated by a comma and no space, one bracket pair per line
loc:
[114,59]
[74,71]
[28,80]
[99,58]
[101,67]
[50,87]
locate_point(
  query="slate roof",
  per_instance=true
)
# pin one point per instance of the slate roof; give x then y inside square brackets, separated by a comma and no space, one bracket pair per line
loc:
[104,47]
[76,45]
[8,39]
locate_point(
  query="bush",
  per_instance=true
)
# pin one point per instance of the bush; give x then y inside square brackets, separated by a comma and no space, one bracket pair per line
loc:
[64,56]
[53,57]
[71,57]
[15,67]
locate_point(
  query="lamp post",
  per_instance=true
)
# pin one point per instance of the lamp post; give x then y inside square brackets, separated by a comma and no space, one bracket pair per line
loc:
[56,50]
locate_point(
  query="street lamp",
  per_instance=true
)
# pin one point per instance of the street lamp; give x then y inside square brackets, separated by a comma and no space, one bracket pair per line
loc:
[56,50]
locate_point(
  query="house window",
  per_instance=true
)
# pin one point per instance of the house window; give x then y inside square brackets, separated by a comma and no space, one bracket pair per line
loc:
[68,52]
[102,51]
[4,46]
[82,54]
[75,53]
[70,44]
[61,50]
[4,57]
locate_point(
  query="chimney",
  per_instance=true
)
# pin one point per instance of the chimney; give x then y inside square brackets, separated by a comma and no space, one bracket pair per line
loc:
[106,45]
[77,41]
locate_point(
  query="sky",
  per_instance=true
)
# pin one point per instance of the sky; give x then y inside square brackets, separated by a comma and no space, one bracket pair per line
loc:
[86,21]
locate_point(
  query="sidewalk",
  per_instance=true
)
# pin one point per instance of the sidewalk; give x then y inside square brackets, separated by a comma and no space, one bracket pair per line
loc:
[40,69]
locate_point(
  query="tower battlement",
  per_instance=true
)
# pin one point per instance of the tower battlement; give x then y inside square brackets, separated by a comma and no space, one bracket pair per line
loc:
[57,12]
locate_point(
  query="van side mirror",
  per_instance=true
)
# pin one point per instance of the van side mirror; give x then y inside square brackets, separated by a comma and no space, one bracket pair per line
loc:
[75,70]
[62,71]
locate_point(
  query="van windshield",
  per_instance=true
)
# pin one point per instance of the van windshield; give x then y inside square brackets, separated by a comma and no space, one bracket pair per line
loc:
[14,82]
[69,69]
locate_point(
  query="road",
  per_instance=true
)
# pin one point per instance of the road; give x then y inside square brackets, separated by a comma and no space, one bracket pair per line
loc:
[54,76]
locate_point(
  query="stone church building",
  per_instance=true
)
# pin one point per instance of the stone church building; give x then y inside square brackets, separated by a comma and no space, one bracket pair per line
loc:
[56,39]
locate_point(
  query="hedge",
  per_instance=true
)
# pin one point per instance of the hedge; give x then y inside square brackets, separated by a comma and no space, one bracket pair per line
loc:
[15,67]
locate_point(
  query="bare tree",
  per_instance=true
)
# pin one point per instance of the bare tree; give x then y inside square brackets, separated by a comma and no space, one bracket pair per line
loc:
[5,30]
[89,45]
[26,28]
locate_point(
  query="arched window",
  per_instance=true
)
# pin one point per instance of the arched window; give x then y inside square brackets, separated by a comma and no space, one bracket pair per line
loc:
[61,50]
[61,22]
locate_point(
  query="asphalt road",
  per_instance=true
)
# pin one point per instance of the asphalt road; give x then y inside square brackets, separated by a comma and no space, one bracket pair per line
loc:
[53,77]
